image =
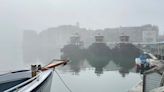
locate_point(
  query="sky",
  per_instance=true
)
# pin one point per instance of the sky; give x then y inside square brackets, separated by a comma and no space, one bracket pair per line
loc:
[19,15]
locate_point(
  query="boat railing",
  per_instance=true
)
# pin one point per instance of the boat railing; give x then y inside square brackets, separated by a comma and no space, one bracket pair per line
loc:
[17,87]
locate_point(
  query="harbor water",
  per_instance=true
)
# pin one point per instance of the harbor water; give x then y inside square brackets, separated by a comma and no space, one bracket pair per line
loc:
[80,75]
[88,81]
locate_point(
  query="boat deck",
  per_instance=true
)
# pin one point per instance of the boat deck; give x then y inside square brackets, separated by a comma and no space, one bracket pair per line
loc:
[12,79]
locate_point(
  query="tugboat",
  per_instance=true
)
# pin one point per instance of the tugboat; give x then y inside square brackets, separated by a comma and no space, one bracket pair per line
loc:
[38,79]
[75,47]
[98,54]
[125,43]
[125,53]
[125,48]
[75,52]
[99,47]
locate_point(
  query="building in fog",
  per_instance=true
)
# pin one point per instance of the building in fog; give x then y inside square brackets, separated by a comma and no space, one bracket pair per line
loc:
[146,33]
[60,36]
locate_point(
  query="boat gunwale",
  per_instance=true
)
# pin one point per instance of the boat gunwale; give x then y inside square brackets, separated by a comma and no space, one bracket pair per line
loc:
[39,81]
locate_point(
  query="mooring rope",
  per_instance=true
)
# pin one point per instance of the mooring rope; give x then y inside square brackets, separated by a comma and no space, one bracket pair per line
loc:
[63,81]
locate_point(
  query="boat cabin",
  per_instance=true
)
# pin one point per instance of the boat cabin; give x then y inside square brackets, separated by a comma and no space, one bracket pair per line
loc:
[99,39]
[75,40]
[124,39]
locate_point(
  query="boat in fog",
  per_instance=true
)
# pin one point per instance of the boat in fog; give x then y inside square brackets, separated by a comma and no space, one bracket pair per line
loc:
[99,47]
[38,79]
[73,48]
[98,54]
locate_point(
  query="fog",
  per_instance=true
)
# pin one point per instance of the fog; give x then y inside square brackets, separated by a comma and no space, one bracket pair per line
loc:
[93,14]
[101,38]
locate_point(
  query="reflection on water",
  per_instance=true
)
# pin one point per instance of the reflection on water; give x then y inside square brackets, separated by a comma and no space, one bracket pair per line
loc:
[87,81]
[99,56]
[76,55]
[124,56]
[43,47]
[90,68]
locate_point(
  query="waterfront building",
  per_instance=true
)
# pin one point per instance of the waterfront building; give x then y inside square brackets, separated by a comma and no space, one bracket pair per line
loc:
[60,36]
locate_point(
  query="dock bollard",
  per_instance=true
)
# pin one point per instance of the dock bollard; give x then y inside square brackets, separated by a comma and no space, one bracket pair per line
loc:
[33,70]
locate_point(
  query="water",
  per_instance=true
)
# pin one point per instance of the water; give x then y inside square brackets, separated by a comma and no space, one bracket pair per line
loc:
[88,81]
[90,70]
[81,75]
